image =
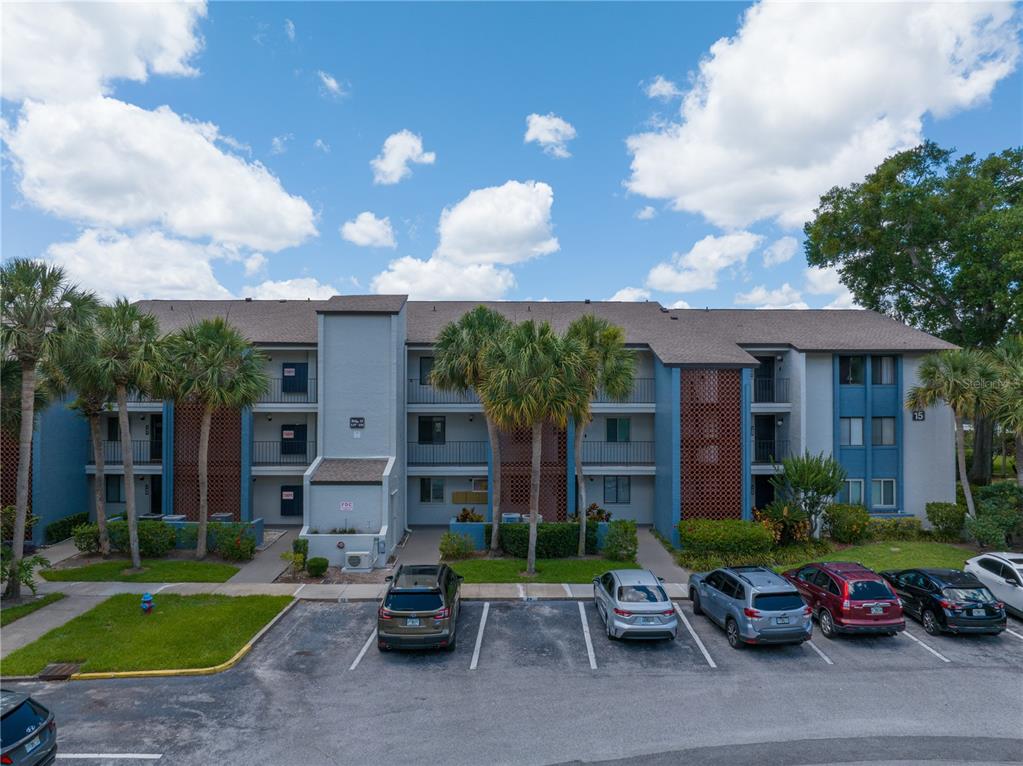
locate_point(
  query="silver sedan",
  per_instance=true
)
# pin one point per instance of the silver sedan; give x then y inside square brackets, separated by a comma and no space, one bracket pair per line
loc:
[633,604]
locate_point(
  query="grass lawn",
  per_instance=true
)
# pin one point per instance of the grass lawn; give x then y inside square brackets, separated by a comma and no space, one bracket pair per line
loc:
[547,570]
[12,613]
[181,632]
[153,570]
[896,554]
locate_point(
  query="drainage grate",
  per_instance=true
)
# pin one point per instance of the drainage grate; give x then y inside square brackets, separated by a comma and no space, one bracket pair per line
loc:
[59,671]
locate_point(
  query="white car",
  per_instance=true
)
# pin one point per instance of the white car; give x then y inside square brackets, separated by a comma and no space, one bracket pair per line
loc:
[1002,573]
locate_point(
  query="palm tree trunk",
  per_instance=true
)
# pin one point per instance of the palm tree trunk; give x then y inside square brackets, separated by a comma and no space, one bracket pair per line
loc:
[129,476]
[495,482]
[1019,459]
[983,448]
[99,485]
[204,456]
[534,497]
[580,480]
[961,457]
[28,400]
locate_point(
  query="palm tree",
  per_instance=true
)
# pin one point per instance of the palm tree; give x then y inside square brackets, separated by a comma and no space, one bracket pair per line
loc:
[213,365]
[460,365]
[965,380]
[40,310]
[607,366]
[533,377]
[128,359]
[1009,407]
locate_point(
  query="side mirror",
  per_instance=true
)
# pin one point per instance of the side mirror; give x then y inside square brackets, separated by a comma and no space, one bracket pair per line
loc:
[596,580]
[1012,581]
[460,578]
[388,578]
[660,579]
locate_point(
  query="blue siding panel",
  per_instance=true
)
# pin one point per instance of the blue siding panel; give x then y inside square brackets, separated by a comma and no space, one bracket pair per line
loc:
[60,486]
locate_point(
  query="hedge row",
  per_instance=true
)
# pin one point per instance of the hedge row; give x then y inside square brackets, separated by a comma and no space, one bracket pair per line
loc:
[61,529]
[554,539]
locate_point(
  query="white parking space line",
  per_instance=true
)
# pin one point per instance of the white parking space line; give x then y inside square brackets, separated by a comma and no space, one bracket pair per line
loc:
[696,638]
[1017,635]
[522,592]
[936,653]
[295,594]
[823,656]
[479,637]
[568,591]
[586,635]
[110,756]
[362,651]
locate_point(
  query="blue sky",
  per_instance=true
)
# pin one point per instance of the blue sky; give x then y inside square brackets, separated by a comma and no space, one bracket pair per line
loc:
[790,102]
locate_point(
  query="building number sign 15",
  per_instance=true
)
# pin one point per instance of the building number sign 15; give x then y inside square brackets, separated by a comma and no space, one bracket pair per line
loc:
[346,505]
[919,414]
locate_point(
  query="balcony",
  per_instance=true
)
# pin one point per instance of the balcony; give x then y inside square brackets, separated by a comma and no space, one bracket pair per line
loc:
[286,452]
[424,393]
[642,393]
[618,453]
[289,391]
[770,390]
[449,453]
[143,452]
[770,451]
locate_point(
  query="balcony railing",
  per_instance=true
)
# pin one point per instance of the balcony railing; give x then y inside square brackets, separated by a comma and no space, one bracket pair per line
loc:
[449,453]
[618,453]
[287,452]
[770,450]
[642,393]
[135,397]
[142,452]
[285,391]
[423,393]
[770,390]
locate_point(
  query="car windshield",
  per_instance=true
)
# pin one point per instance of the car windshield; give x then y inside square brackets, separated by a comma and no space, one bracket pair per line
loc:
[19,723]
[641,594]
[413,602]
[968,594]
[861,590]
[777,602]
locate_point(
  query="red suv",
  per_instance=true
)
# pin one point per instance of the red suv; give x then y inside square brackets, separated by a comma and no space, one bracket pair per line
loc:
[848,598]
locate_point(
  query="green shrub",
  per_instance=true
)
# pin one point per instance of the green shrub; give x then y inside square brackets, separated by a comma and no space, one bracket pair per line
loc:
[300,545]
[156,539]
[730,538]
[468,514]
[947,520]
[7,516]
[787,523]
[24,571]
[554,540]
[232,542]
[317,566]
[800,552]
[847,523]
[1002,503]
[894,529]
[986,531]
[621,542]
[86,538]
[61,528]
[593,513]
[296,561]
[454,546]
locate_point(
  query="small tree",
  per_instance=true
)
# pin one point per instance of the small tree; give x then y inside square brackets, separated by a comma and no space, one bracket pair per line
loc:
[809,483]
[1009,394]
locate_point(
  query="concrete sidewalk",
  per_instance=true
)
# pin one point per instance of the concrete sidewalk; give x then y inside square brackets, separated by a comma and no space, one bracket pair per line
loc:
[42,621]
[422,546]
[653,556]
[267,565]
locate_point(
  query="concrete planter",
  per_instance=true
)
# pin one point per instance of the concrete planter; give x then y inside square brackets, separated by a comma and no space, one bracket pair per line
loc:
[326,546]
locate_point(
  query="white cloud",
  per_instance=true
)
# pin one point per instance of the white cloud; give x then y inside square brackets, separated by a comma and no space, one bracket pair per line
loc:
[784,297]
[112,164]
[70,51]
[780,251]
[631,295]
[279,144]
[646,213]
[679,304]
[663,89]
[321,145]
[329,85]
[289,29]
[551,132]
[698,268]
[826,281]
[439,279]
[297,289]
[809,95]
[254,264]
[401,148]
[147,265]
[369,231]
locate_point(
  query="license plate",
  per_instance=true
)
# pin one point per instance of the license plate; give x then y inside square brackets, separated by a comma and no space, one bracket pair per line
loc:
[877,610]
[32,744]
[411,622]
[978,612]
[649,620]
[782,620]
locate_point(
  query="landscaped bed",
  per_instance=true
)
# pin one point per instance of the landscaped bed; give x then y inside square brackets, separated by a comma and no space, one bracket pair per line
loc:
[181,632]
[11,613]
[898,554]
[580,570]
[153,570]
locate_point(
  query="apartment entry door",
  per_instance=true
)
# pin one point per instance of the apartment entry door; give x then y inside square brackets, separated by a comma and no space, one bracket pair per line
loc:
[763,438]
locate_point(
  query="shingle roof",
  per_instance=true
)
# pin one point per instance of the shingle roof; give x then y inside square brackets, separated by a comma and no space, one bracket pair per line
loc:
[364,304]
[347,470]
[279,322]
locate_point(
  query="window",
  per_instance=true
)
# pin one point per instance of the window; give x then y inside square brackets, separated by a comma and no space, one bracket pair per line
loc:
[866,590]
[850,432]
[851,492]
[777,602]
[115,489]
[995,567]
[608,581]
[715,580]
[978,594]
[736,590]
[618,429]
[432,429]
[429,601]
[850,370]
[882,432]
[431,490]
[882,371]
[617,489]
[425,367]
[113,430]
[807,575]
[882,493]
[641,594]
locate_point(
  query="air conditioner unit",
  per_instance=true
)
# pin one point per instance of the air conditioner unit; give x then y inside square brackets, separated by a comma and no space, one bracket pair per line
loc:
[511,518]
[357,562]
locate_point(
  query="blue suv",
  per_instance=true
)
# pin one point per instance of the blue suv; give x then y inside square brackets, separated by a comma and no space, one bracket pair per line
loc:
[753,605]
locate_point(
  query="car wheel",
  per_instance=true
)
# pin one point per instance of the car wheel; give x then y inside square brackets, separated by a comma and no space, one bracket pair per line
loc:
[610,631]
[827,623]
[732,634]
[695,598]
[930,622]
[381,646]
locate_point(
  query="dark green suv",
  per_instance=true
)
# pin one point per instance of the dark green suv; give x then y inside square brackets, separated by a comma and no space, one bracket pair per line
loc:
[420,609]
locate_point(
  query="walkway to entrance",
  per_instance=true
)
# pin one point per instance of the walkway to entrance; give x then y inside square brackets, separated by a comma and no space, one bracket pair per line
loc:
[652,555]
[422,546]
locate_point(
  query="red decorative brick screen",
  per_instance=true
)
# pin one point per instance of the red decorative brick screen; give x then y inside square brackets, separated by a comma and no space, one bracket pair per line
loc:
[516,461]
[711,444]
[225,461]
[9,451]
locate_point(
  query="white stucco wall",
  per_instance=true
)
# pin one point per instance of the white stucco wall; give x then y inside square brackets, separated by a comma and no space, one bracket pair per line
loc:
[928,451]
[817,404]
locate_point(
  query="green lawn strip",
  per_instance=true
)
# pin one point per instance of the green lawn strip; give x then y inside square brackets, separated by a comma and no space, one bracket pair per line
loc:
[153,570]
[547,570]
[11,613]
[181,632]
[897,554]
